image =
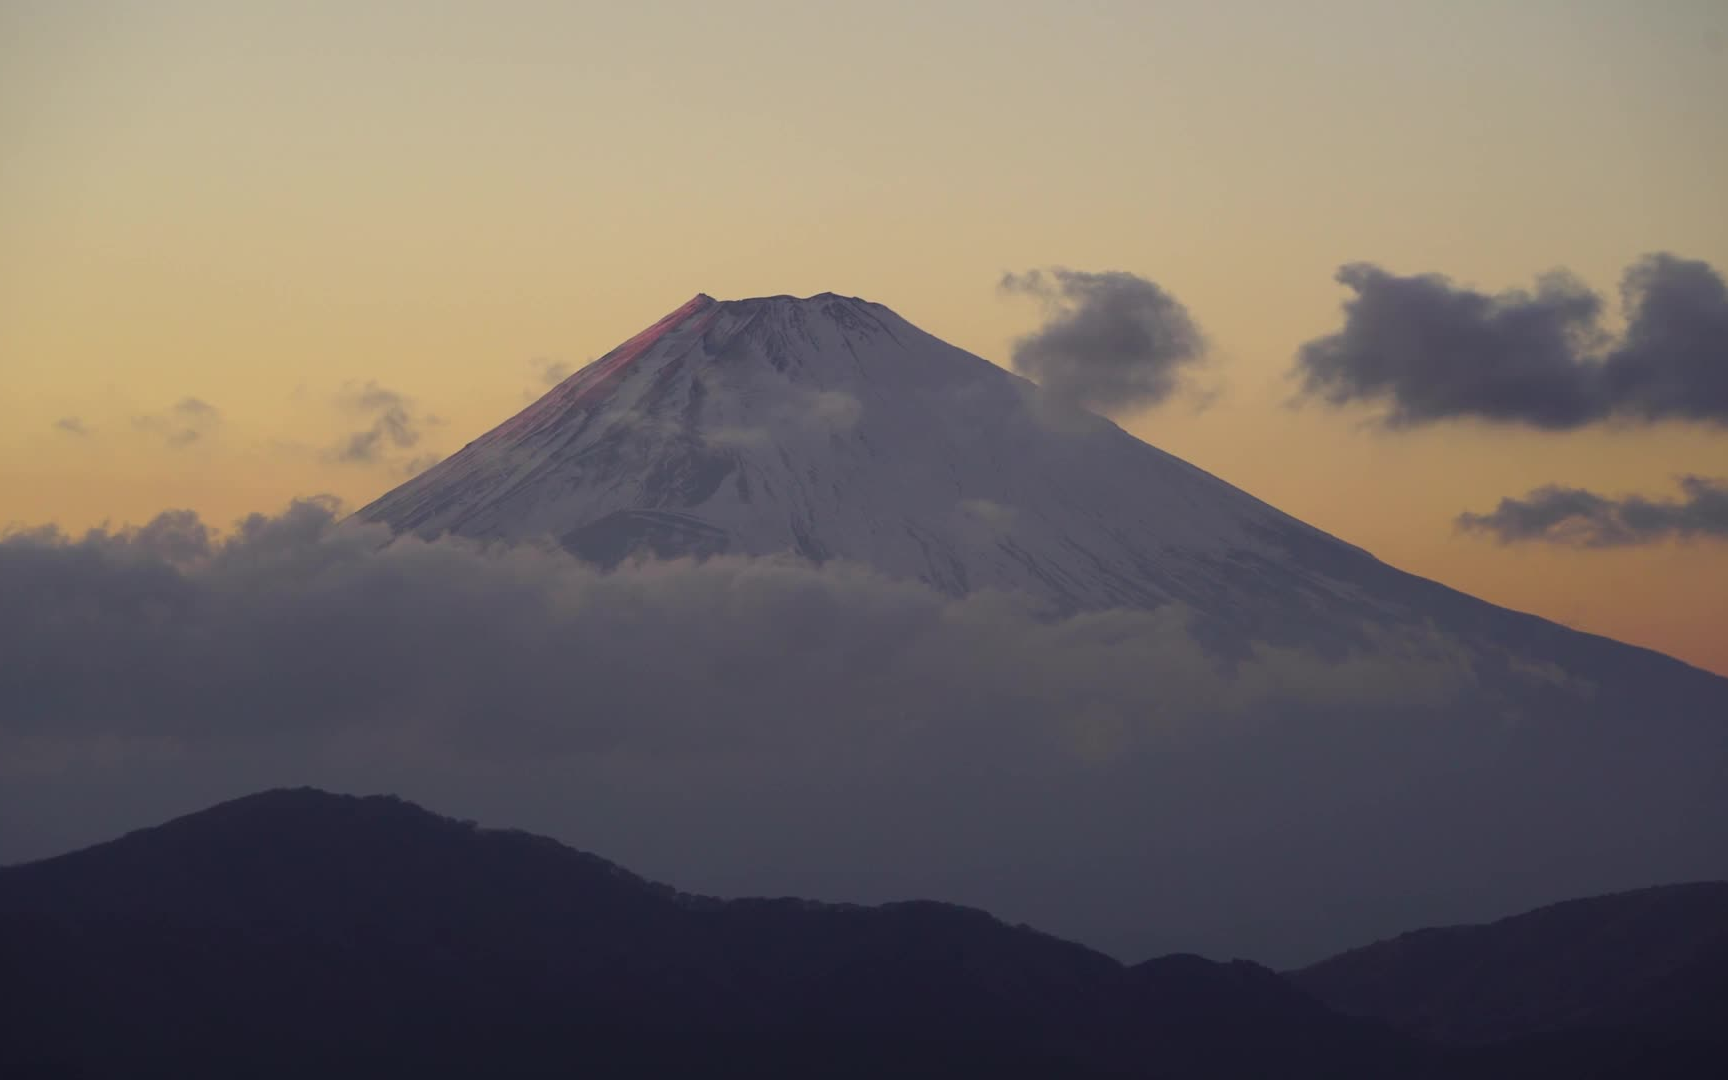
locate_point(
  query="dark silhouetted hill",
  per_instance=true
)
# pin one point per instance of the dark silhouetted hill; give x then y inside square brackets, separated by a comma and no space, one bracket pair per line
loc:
[1598,979]
[297,933]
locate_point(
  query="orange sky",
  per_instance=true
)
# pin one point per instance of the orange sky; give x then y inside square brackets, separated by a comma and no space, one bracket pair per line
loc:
[264,206]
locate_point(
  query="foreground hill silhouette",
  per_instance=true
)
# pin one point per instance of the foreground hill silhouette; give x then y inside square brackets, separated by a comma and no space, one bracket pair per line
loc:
[299,933]
[1653,961]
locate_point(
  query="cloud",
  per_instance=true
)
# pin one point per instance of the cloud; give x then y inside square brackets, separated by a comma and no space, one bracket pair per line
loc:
[301,591]
[765,726]
[192,408]
[798,413]
[71,425]
[993,514]
[1672,360]
[1426,350]
[547,373]
[739,437]
[831,410]
[1112,342]
[186,422]
[551,372]
[418,464]
[394,425]
[1582,518]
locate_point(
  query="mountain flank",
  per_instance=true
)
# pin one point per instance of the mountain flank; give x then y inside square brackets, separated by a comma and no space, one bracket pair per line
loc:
[1653,960]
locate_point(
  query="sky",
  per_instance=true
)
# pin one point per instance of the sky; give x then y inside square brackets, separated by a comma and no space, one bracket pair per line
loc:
[251,252]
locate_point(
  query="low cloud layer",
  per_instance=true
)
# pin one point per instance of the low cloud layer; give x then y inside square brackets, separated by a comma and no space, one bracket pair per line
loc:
[194,626]
[394,425]
[1425,350]
[1112,342]
[764,726]
[185,423]
[1581,518]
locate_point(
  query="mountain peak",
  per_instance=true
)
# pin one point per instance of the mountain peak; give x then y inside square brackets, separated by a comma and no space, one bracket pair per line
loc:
[830,427]
[788,298]
[830,305]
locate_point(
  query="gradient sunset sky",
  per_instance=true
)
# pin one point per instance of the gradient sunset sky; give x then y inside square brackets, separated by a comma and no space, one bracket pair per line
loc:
[235,235]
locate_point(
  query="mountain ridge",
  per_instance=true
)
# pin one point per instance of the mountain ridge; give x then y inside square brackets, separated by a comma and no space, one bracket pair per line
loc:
[295,929]
[1592,961]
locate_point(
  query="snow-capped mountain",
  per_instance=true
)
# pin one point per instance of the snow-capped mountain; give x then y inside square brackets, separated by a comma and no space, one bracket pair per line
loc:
[830,428]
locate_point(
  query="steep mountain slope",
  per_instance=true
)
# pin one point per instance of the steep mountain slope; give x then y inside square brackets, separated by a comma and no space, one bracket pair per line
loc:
[1650,961]
[295,932]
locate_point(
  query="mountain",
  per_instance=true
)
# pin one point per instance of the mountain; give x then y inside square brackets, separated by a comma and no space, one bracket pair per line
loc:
[1653,961]
[1396,753]
[297,933]
[830,428]
[833,429]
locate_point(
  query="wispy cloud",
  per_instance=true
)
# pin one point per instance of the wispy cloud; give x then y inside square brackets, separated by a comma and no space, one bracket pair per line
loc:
[393,424]
[186,422]
[551,372]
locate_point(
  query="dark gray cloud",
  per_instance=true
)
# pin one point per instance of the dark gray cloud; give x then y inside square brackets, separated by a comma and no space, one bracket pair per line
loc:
[1113,341]
[394,425]
[1582,518]
[1672,361]
[71,425]
[758,726]
[186,422]
[1425,350]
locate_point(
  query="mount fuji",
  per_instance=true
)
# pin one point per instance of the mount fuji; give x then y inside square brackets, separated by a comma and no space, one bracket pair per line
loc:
[829,431]
[829,428]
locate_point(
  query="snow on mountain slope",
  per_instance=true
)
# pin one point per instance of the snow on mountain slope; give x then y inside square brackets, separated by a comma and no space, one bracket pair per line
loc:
[832,428]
